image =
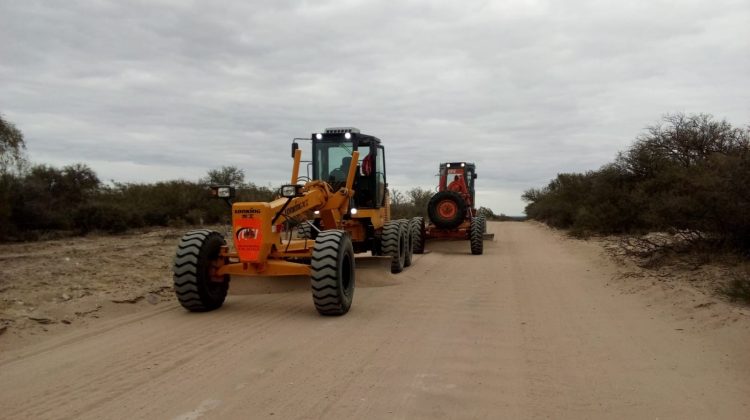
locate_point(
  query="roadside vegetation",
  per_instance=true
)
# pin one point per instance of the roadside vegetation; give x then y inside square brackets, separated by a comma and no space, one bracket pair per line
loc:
[72,199]
[687,175]
[40,201]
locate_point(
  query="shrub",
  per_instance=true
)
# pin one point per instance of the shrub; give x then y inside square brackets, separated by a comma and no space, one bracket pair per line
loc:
[105,217]
[685,173]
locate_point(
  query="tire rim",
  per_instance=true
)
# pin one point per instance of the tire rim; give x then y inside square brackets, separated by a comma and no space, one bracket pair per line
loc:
[447,209]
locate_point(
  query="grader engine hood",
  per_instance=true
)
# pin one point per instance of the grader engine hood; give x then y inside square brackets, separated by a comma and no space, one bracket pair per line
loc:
[253,232]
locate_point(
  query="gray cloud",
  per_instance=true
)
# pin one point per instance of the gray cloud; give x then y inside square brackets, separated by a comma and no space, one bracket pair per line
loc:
[148,90]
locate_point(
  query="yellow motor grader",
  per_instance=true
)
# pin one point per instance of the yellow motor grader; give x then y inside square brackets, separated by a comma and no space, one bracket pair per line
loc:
[343,208]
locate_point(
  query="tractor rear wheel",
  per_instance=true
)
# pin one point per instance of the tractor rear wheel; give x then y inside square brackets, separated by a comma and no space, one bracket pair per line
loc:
[195,285]
[447,209]
[417,233]
[332,272]
[406,226]
[476,236]
[393,244]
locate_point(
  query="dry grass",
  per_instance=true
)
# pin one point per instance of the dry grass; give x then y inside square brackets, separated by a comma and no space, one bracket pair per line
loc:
[689,258]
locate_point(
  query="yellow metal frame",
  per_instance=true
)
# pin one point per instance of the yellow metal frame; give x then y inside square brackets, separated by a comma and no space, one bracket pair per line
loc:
[274,254]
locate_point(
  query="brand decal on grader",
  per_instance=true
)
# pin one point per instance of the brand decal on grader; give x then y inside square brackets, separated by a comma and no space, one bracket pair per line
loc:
[248,238]
[297,207]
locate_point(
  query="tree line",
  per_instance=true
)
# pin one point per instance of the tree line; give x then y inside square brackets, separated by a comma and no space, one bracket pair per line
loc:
[37,198]
[44,198]
[684,173]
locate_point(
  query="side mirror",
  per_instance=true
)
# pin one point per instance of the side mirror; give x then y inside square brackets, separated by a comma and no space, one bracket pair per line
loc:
[473,176]
[295,146]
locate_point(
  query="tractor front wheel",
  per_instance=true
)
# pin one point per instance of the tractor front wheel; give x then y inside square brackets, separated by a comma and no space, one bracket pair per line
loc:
[393,244]
[197,287]
[476,236]
[332,273]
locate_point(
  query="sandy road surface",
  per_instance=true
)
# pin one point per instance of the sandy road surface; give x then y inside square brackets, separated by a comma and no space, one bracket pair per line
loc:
[529,330]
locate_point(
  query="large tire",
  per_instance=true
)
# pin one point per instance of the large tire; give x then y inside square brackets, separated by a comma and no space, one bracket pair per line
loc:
[484,223]
[476,236]
[393,244]
[305,231]
[377,249]
[406,226]
[332,273]
[417,233]
[194,286]
[447,209]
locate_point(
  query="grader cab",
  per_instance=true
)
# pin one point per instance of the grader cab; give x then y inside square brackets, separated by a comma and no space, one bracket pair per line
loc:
[342,208]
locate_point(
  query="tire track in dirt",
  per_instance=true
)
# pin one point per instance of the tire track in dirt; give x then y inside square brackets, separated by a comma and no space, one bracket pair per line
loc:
[527,330]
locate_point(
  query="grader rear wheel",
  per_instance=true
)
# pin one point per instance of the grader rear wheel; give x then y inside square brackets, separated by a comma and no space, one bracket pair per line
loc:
[393,244]
[332,273]
[306,231]
[417,233]
[409,241]
[196,286]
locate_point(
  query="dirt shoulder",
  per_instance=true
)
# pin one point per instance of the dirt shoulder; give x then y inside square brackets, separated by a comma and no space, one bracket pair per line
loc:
[54,286]
[57,285]
[696,284]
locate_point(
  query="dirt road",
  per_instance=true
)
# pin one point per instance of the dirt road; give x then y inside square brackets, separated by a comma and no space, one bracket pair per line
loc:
[531,329]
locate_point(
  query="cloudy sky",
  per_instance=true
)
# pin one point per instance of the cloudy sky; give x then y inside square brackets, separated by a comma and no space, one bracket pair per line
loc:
[152,90]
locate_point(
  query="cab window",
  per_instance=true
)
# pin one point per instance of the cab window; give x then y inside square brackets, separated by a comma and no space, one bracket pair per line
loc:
[332,161]
[380,176]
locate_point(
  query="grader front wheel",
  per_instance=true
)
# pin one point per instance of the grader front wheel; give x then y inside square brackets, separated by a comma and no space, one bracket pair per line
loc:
[195,285]
[332,273]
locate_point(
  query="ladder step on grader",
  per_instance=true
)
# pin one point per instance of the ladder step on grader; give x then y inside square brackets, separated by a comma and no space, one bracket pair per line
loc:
[313,229]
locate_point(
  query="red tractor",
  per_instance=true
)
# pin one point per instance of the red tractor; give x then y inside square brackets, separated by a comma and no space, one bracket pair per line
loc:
[452,210]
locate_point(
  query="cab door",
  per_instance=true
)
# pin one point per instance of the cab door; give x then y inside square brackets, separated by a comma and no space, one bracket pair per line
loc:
[380,180]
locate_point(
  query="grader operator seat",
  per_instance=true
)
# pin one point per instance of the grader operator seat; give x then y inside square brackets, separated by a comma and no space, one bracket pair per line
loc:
[337,177]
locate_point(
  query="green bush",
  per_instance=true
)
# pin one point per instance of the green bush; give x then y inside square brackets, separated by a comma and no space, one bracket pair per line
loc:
[686,173]
[44,198]
[104,217]
[412,204]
